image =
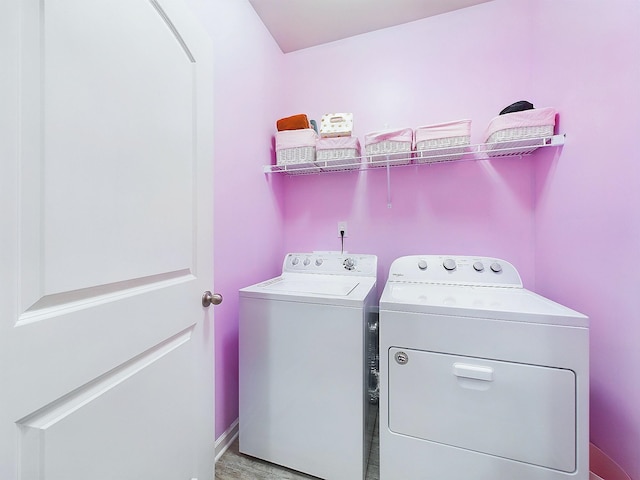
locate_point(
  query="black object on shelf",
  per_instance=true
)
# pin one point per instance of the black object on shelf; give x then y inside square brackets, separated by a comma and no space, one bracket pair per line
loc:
[517,107]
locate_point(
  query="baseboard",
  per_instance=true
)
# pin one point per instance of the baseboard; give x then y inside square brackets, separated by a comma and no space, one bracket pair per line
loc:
[224,441]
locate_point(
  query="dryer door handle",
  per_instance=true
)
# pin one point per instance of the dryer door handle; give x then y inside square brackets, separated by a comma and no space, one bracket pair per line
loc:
[477,372]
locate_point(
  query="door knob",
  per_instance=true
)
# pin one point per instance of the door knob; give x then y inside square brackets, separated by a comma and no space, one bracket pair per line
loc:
[209,298]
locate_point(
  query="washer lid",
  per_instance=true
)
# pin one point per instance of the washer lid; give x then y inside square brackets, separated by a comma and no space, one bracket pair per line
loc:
[512,304]
[340,288]
[326,289]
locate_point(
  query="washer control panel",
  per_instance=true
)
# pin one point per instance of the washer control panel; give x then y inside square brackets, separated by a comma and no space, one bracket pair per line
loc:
[455,270]
[330,263]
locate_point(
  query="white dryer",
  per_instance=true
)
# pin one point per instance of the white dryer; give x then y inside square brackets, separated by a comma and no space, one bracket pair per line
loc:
[481,379]
[303,379]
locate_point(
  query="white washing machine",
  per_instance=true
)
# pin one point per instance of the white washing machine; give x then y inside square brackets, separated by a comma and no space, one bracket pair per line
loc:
[480,378]
[303,357]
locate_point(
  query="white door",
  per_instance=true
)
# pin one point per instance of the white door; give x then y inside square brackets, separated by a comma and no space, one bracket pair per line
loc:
[106,365]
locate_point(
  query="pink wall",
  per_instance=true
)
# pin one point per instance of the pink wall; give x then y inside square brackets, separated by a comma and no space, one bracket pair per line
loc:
[559,216]
[248,217]
[465,64]
[587,222]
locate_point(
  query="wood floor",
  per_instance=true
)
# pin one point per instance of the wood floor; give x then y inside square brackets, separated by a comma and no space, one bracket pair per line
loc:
[233,465]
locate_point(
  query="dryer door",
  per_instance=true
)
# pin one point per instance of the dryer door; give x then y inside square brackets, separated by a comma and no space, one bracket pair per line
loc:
[515,411]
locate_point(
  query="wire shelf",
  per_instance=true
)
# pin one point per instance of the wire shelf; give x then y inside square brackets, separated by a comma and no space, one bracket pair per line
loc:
[481,151]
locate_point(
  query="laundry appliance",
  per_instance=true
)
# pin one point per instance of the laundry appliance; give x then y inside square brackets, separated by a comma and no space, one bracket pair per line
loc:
[481,379]
[304,389]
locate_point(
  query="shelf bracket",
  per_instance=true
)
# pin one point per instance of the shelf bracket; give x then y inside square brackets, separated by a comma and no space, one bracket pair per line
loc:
[558,140]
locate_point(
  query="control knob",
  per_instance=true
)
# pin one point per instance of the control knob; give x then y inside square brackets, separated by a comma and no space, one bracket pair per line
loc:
[496,267]
[422,264]
[306,262]
[349,263]
[295,261]
[478,266]
[318,262]
[449,264]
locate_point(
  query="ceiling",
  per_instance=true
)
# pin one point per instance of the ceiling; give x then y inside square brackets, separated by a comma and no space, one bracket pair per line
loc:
[298,24]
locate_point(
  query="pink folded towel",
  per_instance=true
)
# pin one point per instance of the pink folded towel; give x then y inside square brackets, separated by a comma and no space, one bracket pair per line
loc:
[459,128]
[400,135]
[306,137]
[331,143]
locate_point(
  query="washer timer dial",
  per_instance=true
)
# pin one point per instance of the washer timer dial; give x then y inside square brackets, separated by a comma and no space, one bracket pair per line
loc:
[449,264]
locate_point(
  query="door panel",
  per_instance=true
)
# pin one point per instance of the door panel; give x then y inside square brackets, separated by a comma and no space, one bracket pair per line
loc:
[511,410]
[86,181]
[106,353]
[100,425]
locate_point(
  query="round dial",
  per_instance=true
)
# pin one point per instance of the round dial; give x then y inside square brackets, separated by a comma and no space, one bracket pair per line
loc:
[449,264]
[318,261]
[422,264]
[496,267]
[349,263]
[306,262]
[478,266]
[295,261]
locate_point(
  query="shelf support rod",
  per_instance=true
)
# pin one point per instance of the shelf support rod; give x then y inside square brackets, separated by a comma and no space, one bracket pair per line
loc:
[388,183]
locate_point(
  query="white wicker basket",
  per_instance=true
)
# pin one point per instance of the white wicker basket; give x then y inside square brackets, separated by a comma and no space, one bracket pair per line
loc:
[517,141]
[388,151]
[441,149]
[338,159]
[297,158]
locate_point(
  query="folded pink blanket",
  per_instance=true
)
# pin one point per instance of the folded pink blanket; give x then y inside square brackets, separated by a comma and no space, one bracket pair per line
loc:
[459,128]
[527,118]
[306,137]
[400,135]
[330,143]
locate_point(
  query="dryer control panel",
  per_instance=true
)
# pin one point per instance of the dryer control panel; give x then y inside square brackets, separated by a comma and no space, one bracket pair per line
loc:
[330,263]
[455,270]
